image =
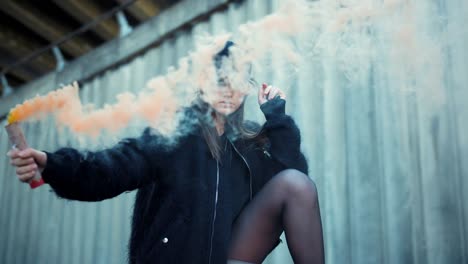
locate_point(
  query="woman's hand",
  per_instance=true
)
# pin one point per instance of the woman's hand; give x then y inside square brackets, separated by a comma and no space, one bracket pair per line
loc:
[268,92]
[27,162]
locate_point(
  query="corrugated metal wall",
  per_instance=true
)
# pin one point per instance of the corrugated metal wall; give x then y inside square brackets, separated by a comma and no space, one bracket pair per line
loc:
[390,167]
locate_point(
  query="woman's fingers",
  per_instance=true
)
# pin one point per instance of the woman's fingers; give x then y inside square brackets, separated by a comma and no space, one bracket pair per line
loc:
[268,92]
[25,153]
[25,162]
[273,93]
[13,153]
[261,94]
[21,161]
[282,95]
[26,177]
[268,89]
[25,169]
[26,173]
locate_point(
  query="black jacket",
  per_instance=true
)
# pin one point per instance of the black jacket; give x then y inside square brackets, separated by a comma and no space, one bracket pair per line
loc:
[177,217]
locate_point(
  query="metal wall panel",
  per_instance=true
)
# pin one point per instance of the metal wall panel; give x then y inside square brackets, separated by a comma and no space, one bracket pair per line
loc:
[390,167]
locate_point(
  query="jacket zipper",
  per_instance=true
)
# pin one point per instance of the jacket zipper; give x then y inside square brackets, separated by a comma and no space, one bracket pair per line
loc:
[248,167]
[214,212]
[216,196]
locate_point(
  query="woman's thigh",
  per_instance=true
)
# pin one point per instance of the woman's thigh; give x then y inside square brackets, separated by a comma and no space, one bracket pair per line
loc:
[257,230]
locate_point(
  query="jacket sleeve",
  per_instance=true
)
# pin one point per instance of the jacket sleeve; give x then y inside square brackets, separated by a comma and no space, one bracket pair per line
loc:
[95,176]
[284,135]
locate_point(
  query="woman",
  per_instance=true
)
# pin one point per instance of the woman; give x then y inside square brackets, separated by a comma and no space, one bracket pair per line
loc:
[224,193]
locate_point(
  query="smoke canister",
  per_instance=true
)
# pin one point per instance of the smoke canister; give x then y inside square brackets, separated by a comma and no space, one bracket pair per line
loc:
[16,136]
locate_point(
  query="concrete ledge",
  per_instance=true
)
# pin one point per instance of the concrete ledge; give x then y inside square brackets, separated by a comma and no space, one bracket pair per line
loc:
[116,52]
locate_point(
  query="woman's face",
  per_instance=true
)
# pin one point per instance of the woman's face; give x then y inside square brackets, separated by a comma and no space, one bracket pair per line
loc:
[227,100]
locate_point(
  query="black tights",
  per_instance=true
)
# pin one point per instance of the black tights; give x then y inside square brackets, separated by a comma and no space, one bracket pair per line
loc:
[289,203]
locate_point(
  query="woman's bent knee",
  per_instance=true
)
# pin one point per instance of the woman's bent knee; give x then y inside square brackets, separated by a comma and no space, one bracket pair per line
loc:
[297,184]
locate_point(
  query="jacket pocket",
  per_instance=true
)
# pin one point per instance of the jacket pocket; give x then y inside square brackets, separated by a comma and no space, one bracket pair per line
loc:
[167,244]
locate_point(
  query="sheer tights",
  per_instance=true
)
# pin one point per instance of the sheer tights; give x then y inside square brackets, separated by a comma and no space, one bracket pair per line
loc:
[289,203]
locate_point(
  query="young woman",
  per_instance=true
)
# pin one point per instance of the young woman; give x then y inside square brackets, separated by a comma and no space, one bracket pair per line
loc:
[224,193]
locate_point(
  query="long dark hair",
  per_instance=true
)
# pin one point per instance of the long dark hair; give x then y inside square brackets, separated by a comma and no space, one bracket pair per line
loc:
[235,127]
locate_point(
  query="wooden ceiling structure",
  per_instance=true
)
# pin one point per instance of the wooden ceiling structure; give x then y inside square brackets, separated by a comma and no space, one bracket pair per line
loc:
[28,30]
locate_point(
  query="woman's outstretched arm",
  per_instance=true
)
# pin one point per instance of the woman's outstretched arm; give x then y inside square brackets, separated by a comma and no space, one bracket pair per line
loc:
[95,176]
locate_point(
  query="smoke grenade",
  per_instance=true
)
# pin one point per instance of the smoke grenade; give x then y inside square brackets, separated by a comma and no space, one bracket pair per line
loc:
[17,139]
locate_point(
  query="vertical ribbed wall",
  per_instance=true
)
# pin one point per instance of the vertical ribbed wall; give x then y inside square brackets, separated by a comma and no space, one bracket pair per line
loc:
[391,169]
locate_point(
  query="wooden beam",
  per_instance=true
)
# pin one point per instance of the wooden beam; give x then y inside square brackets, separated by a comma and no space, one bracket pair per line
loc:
[142,9]
[12,82]
[19,46]
[23,72]
[85,11]
[44,26]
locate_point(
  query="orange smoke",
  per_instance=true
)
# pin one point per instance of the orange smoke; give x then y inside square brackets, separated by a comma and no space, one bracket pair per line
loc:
[41,105]
[68,110]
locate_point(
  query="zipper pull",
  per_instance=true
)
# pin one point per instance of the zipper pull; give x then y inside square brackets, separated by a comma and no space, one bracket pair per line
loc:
[266,153]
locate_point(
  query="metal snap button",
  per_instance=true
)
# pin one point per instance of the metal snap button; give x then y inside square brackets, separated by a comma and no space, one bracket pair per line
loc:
[165,240]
